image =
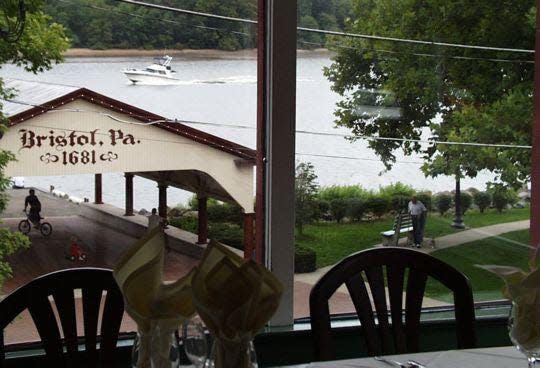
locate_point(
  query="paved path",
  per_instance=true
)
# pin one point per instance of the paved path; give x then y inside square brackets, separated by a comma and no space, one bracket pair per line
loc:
[341,303]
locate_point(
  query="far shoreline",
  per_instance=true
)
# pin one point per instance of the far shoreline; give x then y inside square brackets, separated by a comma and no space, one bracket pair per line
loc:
[184,53]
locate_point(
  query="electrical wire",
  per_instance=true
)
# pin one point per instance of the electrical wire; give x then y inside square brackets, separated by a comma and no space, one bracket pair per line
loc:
[365,137]
[111,10]
[224,30]
[328,32]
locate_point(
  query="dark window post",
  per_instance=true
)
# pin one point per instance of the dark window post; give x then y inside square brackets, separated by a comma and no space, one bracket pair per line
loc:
[129,194]
[248,235]
[162,209]
[98,191]
[203,219]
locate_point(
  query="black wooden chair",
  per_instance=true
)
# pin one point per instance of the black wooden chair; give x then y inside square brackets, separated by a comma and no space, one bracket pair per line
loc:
[400,334]
[60,285]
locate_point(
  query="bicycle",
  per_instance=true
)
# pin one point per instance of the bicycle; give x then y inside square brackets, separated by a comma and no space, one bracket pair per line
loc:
[26,225]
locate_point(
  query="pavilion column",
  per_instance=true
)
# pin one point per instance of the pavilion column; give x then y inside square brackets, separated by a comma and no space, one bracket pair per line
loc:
[249,238]
[98,191]
[129,194]
[535,154]
[162,205]
[203,219]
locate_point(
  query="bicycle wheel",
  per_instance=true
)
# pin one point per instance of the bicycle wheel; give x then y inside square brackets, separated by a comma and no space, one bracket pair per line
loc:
[45,228]
[24,226]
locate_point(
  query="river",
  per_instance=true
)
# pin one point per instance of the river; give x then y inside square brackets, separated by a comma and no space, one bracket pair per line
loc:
[219,96]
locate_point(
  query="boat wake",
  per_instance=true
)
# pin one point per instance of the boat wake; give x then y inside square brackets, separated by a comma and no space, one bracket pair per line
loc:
[239,79]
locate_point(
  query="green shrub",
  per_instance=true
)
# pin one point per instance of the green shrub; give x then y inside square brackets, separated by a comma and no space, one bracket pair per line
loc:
[482,200]
[322,209]
[396,189]
[225,212]
[356,208]
[442,203]
[466,201]
[187,223]
[305,260]
[426,199]
[400,203]
[377,205]
[500,200]
[229,234]
[338,208]
[342,191]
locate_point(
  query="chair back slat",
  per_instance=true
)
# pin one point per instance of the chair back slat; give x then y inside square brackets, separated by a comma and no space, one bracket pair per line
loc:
[376,281]
[113,311]
[416,284]
[64,300]
[43,316]
[34,296]
[358,292]
[91,299]
[399,336]
[396,277]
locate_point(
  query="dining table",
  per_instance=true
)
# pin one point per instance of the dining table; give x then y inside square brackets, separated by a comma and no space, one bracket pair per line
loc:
[499,357]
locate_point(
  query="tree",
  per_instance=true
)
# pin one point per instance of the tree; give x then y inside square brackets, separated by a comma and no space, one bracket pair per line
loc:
[399,90]
[305,188]
[338,209]
[40,44]
[482,200]
[442,202]
[356,208]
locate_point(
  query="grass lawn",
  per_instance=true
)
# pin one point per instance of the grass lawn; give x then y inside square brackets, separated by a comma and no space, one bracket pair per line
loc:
[501,250]
[332,242]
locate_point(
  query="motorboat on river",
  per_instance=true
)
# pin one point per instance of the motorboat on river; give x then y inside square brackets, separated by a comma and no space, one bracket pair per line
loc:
[159,72]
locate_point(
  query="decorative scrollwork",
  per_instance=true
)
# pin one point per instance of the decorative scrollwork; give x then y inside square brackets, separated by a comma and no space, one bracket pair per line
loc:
[49,158]
[109,156]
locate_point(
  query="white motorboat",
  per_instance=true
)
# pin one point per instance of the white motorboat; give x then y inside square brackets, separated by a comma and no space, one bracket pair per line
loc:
[159,72]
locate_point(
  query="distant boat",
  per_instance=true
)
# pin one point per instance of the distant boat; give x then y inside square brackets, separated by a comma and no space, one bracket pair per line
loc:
[159,72]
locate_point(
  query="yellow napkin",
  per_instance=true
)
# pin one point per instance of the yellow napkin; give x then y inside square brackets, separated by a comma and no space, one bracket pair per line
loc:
[158,309]
[235,298]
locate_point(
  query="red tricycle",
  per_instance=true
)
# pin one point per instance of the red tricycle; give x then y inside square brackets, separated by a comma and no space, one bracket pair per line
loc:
[75,252]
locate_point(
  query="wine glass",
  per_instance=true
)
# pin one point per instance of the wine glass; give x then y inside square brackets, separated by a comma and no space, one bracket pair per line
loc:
[195,343]
[519,329]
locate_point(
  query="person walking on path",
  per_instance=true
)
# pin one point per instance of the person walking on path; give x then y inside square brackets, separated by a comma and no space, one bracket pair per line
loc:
[154,220]
[417,210]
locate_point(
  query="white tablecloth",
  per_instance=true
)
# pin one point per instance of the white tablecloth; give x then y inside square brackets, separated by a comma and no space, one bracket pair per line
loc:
[505,357]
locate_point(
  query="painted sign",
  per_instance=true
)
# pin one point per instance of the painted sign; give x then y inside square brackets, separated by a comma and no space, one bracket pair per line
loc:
[76,147]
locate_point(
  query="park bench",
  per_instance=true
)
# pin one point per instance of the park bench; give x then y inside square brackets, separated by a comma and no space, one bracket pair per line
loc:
[402,224]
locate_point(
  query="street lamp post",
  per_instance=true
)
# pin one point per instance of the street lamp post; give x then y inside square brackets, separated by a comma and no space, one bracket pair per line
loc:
[458,220]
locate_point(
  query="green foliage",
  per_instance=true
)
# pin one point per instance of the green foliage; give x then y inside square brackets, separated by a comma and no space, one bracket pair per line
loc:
[356,208]
[225,212]
[482,200]
[305,189]
[342,191]
[396,189]
[305,259]
[100,24]
[230,234]
[338,208]
[399,203]
[500,199]
[377,205]
[40,45]
[322,209]
[389,90]
[442,203]
[466,201]
[425,198]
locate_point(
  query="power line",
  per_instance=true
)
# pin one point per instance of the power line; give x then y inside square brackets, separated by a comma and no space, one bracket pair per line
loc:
[238,126]
[157,19]
[455,57]
[328,32]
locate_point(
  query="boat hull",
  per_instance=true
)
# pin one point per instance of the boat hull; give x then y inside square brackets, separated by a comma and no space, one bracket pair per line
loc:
[138,77]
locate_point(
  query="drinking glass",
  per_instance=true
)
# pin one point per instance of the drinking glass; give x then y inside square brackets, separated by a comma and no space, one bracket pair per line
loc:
[520,325]
[159,349]
[195,343]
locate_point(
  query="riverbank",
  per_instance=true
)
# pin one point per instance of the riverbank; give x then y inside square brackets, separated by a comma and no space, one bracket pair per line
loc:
[185,53]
